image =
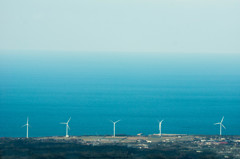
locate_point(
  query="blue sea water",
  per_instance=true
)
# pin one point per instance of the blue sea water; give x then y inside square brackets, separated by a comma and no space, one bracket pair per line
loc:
[190,92]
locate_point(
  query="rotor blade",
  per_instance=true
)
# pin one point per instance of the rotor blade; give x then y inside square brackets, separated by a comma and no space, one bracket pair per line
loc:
[69,120]
[216,123]
[24,125]
[161,121]
[68,127]
[116,121]
[222,119]
[223,126]
[62,123]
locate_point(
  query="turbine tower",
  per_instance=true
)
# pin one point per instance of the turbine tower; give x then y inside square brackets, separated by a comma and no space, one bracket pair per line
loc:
[27,125]
[67,126]
[221,125]
[160,127]
[114,123]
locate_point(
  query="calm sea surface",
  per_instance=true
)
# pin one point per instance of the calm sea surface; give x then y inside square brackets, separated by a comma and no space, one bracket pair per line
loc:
[190,92]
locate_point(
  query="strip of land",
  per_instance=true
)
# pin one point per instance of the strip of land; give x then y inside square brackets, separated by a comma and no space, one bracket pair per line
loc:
[153,146]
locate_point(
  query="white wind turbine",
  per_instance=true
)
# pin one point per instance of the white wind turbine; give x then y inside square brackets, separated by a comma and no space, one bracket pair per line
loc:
[27,125]
[67,126]
[221,125]
[160,127]
[114,123]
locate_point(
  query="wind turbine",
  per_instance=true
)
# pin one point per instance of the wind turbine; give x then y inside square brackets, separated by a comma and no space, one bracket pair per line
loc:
[160,127]
[67,126]
[221,125]
[27,125]
[114,123]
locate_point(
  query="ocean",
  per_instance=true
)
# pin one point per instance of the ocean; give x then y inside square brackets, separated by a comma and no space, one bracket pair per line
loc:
[189,92]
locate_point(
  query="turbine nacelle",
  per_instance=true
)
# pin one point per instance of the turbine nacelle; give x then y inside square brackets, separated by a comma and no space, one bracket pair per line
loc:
[160,122]
[114,122]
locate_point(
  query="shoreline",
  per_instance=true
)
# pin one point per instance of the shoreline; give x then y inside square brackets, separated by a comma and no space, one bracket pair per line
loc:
[122,136]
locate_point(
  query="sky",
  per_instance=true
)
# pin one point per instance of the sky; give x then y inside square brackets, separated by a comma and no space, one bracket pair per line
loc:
[164,26]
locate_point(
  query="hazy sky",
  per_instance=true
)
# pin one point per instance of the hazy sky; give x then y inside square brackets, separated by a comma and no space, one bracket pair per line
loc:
[189,26]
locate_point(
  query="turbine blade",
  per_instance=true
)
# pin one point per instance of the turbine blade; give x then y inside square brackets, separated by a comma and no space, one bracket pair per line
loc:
[69,127]
[222,119]
[62,123]
[216,123]
[117,121]
[223,126]
[69,120]
[24,125]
